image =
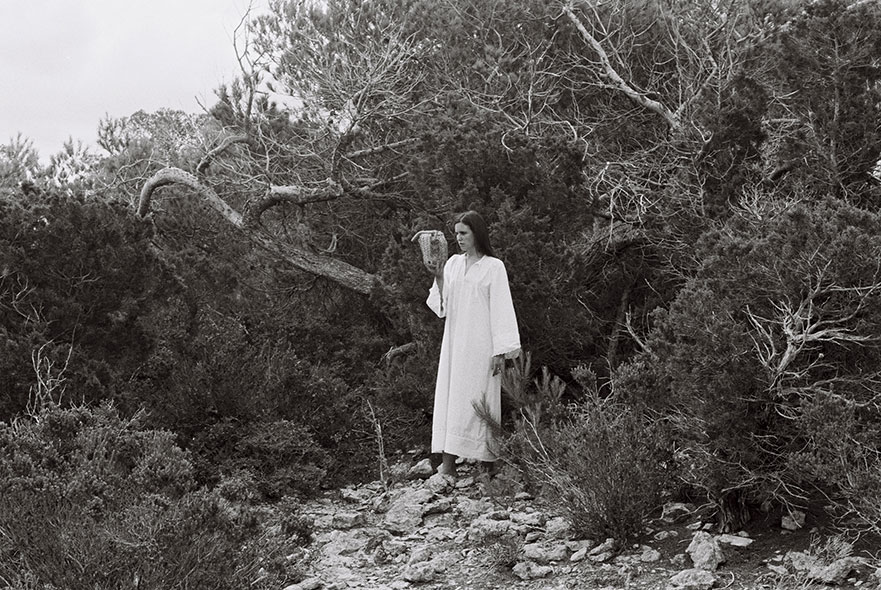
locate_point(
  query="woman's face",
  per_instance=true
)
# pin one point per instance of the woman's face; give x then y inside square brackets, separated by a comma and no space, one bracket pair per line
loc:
[465,238]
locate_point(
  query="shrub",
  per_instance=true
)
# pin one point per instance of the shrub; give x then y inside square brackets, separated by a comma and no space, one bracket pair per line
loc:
[278,458]
[602,462]
[89,500]
[766,363]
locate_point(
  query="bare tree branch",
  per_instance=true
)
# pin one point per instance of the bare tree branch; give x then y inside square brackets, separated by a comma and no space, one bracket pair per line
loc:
[617,81]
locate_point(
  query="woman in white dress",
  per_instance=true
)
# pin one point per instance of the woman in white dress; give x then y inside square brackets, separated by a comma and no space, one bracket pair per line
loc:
[471,291]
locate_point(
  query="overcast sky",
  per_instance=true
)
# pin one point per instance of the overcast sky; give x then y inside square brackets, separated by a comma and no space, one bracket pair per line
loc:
[64,64]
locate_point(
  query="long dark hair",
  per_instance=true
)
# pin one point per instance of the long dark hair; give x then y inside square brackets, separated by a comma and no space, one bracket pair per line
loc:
[477,225]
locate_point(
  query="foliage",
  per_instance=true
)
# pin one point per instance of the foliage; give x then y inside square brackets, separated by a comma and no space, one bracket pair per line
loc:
[77,276]
[765,363]
[603,462]
[93,500]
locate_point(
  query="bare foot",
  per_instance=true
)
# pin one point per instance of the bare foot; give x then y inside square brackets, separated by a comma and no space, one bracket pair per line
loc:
[444,470]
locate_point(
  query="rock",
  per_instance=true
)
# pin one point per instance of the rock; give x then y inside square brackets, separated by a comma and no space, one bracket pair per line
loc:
[439,534]
[585,544]
[661,535]
[529,519]
[527,570]
[801,561]
[307,584]
[542,554]
[347,520]
[793,521]
[419,555]
[601,557]
[470,509]
[735,540]
[356,495]
[649,555]
[439,506]
[705,552]
[558,528]
[419,572]
[676,511]
[405,512]
[532,537]
[579,555]
[679,559]
[421,470]
[606,546]
[440,483]
[523,497]
[341,544]
[778,569]
[465,482]
[693,579]
[836,572]
[483,528]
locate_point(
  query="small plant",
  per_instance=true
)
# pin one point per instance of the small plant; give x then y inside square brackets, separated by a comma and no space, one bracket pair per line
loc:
[502,551]
[602,464]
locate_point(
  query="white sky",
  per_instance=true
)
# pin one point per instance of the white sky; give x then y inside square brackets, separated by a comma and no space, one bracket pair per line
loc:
[65,64]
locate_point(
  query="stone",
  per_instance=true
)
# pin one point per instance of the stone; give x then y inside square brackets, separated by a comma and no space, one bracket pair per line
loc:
[601,557]
[483,528]
[440,483]
[307,584]
[465,482]
[705,551]
[470,509]
[778,569]
[649,555]
[585,544]
[422,470]
[606,546]
[532,537]
[530,519]
[558,528]
[735,540]
[693,579]
[676,511]
[793,521]
[579,555]
[661,535]
[801,561]
[439,506]
[419,555]
[523,497]
[347,519]
[356,495]
[341,544]
[540,553]
[423,571]
[527,570]
[836,572]
[405,512]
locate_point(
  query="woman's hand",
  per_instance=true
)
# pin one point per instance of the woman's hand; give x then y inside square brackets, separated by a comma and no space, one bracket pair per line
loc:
[436,268]
[498,364]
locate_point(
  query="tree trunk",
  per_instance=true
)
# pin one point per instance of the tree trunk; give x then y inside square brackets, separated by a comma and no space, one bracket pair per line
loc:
[342,273]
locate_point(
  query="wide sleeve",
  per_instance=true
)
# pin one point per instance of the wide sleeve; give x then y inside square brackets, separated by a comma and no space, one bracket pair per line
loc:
[436,300]
[503,321]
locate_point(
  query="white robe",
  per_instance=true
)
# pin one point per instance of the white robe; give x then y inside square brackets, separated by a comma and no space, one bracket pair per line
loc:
[480,323]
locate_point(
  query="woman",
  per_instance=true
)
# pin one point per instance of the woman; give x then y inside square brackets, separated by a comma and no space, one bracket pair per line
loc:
[471,291]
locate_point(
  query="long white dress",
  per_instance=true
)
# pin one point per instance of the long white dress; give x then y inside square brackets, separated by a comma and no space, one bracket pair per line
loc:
[480,323]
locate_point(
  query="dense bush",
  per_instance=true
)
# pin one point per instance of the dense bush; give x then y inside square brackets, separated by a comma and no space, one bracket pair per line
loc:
[604,463]
[92,500]
[77,276]
[764,364]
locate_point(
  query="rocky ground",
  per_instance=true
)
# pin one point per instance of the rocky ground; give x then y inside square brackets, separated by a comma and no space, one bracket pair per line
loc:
[433,531]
